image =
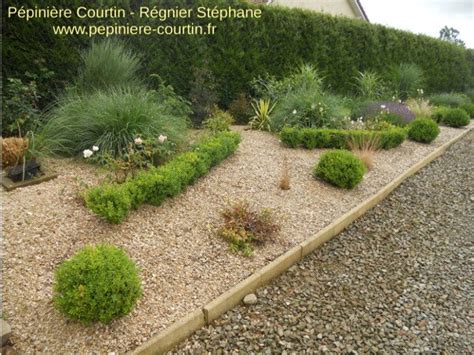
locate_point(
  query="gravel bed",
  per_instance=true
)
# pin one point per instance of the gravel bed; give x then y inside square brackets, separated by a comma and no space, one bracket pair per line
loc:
[183,265]
[398,280]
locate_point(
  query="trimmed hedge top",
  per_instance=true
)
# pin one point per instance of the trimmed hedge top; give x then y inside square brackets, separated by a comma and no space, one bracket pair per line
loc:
[311,138]
[113,202]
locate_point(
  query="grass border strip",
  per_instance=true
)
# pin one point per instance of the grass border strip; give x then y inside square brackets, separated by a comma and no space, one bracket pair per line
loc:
[184,327]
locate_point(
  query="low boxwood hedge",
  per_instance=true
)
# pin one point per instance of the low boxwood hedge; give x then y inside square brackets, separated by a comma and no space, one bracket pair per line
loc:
[114,201]
[311,138]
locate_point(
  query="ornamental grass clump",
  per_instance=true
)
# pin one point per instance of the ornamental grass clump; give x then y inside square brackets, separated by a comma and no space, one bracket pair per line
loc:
[420,107]
[99,283]
[301,101]
[406,80]
[110,106]
[309,109]
[110,120]
[108,64]
[244,228]
[285,177]
[340,168]
[369,85]
[423,130]
[365,148]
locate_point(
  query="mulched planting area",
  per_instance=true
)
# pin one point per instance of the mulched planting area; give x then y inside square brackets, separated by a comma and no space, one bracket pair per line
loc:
[398,280]
[183,264]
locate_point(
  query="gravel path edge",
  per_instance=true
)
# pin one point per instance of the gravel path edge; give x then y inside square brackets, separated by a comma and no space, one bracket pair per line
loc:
[180,330]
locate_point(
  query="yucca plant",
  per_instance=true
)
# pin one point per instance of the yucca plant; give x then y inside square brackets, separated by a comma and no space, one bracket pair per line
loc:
[261,120]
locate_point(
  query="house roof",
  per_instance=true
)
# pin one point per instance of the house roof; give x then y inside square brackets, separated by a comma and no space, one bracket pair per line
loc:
[362,12]
[355,4]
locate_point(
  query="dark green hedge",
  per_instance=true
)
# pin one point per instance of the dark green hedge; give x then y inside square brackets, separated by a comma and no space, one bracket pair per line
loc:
[241,50]
[114,202]
[311,138]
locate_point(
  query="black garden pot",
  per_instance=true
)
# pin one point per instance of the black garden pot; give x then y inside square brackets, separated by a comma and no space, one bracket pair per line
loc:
[26,171]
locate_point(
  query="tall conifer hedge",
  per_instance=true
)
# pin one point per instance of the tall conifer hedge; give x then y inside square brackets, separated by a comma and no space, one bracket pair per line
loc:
[243,49]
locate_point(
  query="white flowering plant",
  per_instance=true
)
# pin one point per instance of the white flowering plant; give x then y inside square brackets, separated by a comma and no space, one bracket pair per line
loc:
[140,154]
[312,115]
[371,123]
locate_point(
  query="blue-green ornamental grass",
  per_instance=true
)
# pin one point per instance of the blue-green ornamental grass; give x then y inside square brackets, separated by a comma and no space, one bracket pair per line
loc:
[110,120]
[99,283]
[423,130]
[108,64]
[340,168]
[110,106]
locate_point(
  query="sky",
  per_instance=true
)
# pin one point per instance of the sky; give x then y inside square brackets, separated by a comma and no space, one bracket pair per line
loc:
[424,16]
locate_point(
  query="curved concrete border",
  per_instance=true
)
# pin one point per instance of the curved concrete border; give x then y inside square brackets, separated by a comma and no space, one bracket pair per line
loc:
[183,328]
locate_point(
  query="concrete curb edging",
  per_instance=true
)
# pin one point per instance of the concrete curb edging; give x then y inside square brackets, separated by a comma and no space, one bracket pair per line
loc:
[184,327]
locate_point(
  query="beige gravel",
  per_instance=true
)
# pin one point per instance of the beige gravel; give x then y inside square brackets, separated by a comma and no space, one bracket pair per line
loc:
[183,264]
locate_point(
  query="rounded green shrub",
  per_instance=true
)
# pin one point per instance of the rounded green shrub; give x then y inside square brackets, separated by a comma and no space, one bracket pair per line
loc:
[439,113]
[469,108]
[97,284]
[455,117]
[423,130]
[340,168]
